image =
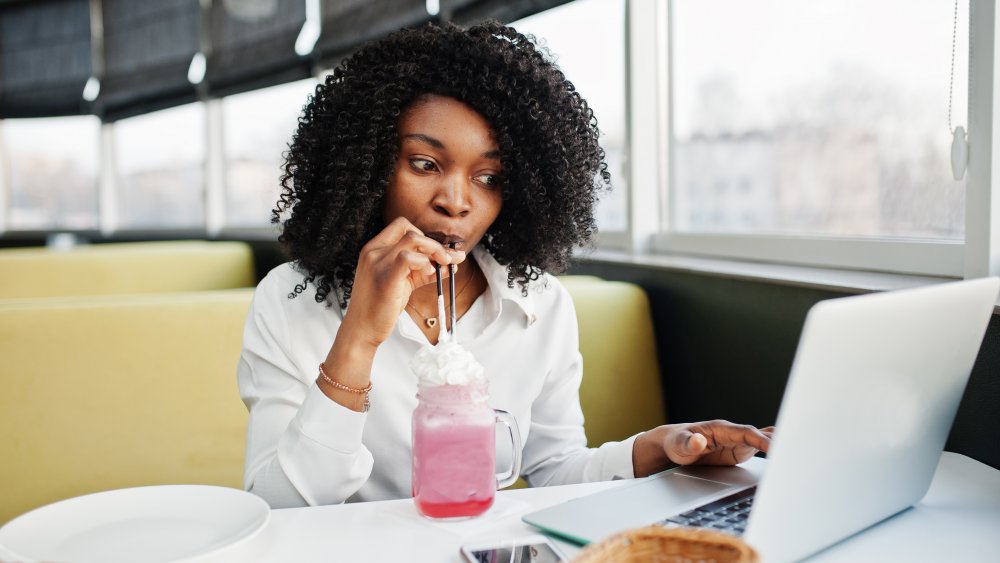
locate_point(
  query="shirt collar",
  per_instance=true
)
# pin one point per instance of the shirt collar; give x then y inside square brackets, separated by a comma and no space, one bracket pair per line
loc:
[496,276]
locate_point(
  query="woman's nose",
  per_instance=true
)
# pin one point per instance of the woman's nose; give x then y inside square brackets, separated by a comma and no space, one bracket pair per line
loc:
[452,198]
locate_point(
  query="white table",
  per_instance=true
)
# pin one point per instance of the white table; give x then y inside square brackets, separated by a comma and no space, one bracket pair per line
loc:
[958,520]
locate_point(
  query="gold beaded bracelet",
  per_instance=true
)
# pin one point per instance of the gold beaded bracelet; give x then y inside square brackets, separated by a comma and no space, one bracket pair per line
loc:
[342,387]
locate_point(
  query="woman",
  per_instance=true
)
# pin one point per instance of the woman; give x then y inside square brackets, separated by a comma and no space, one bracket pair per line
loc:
[429,138]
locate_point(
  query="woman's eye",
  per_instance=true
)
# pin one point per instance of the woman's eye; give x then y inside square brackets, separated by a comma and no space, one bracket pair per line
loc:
[422,164]
[491,180]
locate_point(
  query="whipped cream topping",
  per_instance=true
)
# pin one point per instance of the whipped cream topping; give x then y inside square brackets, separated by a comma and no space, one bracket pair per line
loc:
[448,363]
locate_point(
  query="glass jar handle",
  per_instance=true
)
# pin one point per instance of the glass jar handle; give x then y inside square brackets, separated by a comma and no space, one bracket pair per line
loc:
[508,479]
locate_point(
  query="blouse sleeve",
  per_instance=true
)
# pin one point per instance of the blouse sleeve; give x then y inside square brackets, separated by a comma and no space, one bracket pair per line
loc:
[556,451]
[302,448]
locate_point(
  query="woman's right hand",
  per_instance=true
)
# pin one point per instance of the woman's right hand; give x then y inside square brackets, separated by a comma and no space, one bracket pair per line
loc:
[395,262]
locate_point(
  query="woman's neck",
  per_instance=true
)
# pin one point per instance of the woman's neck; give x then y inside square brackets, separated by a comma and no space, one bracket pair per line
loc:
[469,285]
[425,298]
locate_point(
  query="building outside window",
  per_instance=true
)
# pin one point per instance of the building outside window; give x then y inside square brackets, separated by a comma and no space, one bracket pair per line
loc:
[258,128]
[161,168]
[52,172]
[825,118]
[587,38]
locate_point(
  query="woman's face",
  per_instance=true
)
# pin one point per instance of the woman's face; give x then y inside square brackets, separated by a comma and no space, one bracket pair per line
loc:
[447,176]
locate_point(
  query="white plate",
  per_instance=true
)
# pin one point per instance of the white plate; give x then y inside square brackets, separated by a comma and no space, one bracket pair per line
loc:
[161,523]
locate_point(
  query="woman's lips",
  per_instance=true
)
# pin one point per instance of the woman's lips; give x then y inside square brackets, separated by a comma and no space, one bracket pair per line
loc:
[446,239]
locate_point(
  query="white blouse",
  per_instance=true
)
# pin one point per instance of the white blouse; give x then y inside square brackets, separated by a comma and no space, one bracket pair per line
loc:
[305,449]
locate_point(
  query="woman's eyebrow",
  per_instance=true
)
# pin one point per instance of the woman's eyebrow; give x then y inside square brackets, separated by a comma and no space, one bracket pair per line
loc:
[425,139]
[492,155]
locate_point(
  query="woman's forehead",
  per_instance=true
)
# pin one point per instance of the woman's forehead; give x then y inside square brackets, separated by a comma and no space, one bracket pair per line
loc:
[446,123]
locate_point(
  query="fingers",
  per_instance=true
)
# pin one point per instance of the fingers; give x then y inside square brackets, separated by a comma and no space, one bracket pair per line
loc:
[392,233]
[400,259]
[754,438]
[726,434]
[407,261]
[694,444]
[401,235]
[717,442]
[685,447]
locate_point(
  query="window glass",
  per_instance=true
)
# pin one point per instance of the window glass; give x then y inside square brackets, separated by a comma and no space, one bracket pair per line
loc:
[160,159]
[258,127]
[53,172]
[587,38]
[827,117]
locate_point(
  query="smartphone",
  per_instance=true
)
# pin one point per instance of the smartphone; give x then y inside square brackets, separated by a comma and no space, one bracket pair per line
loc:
[536,549]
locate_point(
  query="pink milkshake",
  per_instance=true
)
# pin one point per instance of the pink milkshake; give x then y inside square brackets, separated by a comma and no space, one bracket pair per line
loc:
[454,451]
[454,439]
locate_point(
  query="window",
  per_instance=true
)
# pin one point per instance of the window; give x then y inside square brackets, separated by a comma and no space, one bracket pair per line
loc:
[807,132]
[52,174]
[844,134]
[813,133]
[160,164]
[587,38]
[258,128]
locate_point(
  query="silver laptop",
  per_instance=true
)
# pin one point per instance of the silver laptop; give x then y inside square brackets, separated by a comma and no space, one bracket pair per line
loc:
[869,403]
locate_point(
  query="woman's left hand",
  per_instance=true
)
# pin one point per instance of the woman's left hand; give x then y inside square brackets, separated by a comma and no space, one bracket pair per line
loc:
[717,442]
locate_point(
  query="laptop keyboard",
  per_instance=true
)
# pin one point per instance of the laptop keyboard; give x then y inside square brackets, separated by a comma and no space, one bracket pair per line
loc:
[728,514]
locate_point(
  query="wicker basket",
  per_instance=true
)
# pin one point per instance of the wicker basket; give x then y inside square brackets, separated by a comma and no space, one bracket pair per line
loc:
[656,544]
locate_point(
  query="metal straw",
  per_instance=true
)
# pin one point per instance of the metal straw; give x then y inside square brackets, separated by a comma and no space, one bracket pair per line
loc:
[437,273]
[442,335]
[452,270]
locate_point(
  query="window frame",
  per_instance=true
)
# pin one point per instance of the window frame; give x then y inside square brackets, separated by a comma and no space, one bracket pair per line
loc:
[651,163]
[5,183]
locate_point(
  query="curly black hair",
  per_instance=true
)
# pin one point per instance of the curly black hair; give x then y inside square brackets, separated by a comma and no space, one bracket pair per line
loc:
[343,153]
